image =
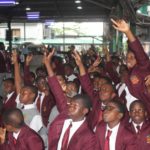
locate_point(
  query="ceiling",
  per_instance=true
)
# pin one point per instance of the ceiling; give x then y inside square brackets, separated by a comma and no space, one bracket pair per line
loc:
[66,10]
[59,9]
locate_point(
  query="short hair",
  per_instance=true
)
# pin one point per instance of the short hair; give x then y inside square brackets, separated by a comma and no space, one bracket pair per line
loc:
[121,107]
[10,80]
[85,100]
[33,89]
[138,102]
[39,78]
[13,117]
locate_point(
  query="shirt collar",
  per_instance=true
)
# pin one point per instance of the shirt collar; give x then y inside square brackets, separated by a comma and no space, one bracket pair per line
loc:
[114,128]
[29,106]
[10,94]
[135,125]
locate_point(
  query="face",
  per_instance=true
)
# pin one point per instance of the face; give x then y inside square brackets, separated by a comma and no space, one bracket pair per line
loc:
[106,93]
[26,96]
[60,79]
[96,83]
[138,113]
[68,70]
[42,85]
[71,90]
[111,113]
[9,128]
[76,110]
[130,60]
[8,87]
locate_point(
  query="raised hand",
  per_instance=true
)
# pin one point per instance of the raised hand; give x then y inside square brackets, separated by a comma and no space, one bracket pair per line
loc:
[29,59]
[77,58]
[47,58]
[2,135]
[147,81]
[14,57]
[120,25]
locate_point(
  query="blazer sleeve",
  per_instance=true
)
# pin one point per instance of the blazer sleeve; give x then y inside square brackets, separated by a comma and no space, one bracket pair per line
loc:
[88,88]
[141,56]
[27,76]
[56,89]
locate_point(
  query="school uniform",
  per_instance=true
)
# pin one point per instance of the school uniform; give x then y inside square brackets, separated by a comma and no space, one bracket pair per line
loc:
[120,138]
[136,77]
[46,105]
[25,139]
[9,101]
[142,135]
[83,137]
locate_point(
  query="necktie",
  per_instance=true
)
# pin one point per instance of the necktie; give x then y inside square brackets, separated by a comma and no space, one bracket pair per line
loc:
[107,140]
[138,129]
[66,138]
[38,103]
[14,141]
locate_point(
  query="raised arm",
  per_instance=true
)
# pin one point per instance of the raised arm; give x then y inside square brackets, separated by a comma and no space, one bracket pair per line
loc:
[55,87]
[18,81]
[27,75]
[134,43]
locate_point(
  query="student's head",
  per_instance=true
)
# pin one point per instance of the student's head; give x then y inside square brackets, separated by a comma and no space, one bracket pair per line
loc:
[79,106]
[13,119]
[9,85]
[138,111]
[28,94]
[40,71]
[106,92]
[68,69]
[130,60]
[114,112]
[61,79]
[71,89]
[41,84]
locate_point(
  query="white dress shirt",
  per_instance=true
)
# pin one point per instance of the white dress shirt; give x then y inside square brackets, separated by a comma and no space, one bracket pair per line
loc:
[74,128]
[8,97]
[15,135]
[135,126]
[112,138]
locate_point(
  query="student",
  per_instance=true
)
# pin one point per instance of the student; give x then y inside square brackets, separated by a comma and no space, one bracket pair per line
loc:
[138,64]
[9,89]
[139,125]
[19,136]
[111,134]
[80,135]
[100,98]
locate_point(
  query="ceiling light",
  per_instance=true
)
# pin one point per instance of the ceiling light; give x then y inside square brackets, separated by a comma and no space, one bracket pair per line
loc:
[28,8]
[33,15]
[79,7]
[7,2]
[77,1]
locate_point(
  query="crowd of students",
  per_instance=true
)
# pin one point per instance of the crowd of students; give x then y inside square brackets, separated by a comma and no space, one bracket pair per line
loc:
[85,104]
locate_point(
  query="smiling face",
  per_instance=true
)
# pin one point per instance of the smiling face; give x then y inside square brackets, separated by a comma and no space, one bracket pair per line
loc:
[137,113]
[106,93]
[76,110]
[130,60]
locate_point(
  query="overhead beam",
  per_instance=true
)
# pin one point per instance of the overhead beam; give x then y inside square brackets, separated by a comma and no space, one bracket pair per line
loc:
[98,4]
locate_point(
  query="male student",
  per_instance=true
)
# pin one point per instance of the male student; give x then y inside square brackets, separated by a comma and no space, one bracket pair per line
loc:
[99,100]
[69,131]
[9,89]
[111,134]
[139,125]
[19,136]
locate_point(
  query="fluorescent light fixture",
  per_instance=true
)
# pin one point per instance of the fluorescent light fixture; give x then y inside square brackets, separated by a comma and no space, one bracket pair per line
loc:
[49,22]
[79,7]
[7,2]
[77,1]
[33,15]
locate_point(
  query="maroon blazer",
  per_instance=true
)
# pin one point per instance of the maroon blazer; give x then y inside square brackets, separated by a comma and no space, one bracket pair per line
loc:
[125,139]
[96,103]
[83,138]
[47,105]
[11,103]
[27,140]
[140,71]
[143,138]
